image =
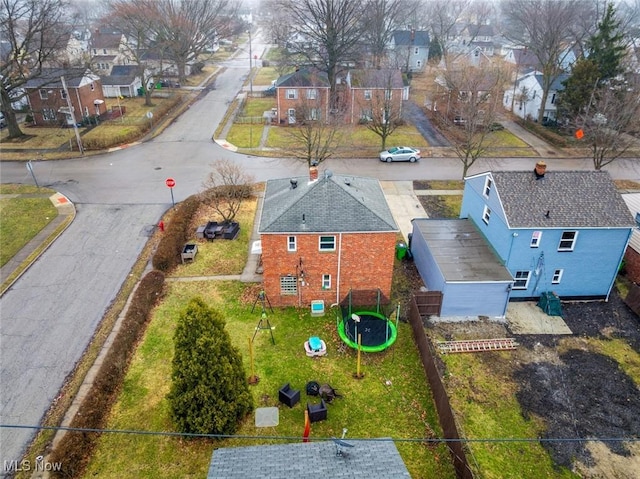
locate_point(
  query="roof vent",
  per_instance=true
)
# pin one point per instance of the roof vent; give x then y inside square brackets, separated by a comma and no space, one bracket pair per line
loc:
[347,181]
[328,173]
[294,183]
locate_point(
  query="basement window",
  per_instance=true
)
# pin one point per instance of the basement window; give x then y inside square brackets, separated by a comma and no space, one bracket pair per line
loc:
[521,280]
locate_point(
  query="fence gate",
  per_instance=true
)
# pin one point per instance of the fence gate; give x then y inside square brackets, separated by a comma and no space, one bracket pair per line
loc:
[429,303]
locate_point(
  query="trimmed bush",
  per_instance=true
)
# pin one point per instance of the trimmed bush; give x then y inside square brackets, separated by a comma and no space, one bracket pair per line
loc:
[209,393]
[76,448]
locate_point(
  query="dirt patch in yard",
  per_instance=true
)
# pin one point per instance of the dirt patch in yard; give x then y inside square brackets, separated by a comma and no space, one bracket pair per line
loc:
[577,391]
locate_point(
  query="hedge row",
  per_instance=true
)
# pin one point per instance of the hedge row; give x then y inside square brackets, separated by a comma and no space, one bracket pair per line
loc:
[75,448]
[176,233]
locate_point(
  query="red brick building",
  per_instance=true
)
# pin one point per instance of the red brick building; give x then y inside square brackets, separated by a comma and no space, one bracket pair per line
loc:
[360,95]
[48,98]
[322,237]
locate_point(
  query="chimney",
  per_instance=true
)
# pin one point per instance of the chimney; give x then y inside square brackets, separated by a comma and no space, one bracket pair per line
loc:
[540,169]
[294,183]
[313,173]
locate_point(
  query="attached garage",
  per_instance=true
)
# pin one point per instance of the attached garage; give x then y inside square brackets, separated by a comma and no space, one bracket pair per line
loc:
[453,257]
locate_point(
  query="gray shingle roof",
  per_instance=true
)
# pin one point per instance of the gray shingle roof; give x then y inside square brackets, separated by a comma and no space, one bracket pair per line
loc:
[333,203]
[384,78]
[366,459]
[574,199]
[407,37]
[305,77]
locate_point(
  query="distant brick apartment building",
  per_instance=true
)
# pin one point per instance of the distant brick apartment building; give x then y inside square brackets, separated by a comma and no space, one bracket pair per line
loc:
[323,237]
[360,96]
[48,98]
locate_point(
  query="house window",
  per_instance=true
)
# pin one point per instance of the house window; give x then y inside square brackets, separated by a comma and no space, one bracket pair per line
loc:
[367,95]
[104,51]
[93,86]
[291,243]
[521,280]
[312,94]
[314,114]
[288,285]
[44,94]
[419,64]
[291,114]
[536,236]
[387,94]
[416,50]
[327,243]
[488,183]
[486,214]
[63,94]
[568,241]
[292,94]
[553,99]
[326,281]
[49,114]
[557,276]
[86,111]
[366,115]
[95,51]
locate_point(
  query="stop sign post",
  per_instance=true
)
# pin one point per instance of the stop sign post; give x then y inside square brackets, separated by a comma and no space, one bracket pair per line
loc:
[170,182]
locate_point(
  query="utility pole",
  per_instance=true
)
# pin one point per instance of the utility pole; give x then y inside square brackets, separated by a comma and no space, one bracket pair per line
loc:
[73,116]
[250,64]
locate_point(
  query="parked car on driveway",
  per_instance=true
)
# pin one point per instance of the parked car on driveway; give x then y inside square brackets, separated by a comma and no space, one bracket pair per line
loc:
[400,153]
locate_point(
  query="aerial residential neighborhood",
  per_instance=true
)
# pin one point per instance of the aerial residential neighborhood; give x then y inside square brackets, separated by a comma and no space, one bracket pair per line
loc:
[282,238]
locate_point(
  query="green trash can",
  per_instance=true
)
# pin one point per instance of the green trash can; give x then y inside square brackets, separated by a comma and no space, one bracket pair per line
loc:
[401,250]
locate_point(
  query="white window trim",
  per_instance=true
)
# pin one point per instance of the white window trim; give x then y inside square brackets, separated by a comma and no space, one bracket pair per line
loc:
[326,281]
[320,243]
[536,237]
[292,94]
[526,285]
[367,95]
[557,276]
[312,94]
[486,214]
[573,241]
[292,243]
[488,184]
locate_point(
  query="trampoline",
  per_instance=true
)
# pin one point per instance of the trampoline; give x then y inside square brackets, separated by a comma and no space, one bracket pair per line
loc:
[376,332]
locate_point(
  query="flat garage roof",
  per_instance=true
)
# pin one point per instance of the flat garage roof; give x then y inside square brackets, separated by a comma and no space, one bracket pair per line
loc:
[461,251]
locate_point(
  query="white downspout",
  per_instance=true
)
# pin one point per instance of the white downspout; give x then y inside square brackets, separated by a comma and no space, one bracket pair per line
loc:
[339,265]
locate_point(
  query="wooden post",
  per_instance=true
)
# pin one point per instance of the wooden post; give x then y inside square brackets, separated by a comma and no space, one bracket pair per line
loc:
[253,379]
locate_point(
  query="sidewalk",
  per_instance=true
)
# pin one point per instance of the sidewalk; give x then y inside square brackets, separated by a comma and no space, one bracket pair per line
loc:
[39,243]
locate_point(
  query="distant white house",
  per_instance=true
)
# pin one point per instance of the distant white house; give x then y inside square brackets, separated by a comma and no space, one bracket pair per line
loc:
[409,50]
[525,98]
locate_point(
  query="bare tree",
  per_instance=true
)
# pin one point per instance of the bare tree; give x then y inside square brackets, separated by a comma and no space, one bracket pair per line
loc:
[382,112]
[136,20]
[474,98]
[183,29]
[610,120]
[331,29]
[547,29]
[227,186]
[380,19]
[443,15]
[36,32]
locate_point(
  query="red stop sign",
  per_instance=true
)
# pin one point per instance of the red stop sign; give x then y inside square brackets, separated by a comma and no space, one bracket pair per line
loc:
[170,182]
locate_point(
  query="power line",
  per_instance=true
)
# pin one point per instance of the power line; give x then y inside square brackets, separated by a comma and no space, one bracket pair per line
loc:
[288,438]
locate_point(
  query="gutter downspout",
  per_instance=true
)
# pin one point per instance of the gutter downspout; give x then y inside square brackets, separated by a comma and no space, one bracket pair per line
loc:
[339,266]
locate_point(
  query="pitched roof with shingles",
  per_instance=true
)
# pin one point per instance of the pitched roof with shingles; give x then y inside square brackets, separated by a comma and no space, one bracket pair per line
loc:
[333,203]
[365,460]
[384,78]
[50,77]
[304,77]
[404,37]
[574,199]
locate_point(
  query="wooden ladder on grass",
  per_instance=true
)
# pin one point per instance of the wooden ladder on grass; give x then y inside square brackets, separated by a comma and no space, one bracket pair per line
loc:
[477,345]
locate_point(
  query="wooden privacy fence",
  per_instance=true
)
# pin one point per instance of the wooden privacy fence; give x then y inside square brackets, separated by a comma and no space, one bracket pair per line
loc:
[445,413]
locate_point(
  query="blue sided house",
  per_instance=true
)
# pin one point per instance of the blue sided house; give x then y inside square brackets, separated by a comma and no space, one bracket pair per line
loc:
[564,232]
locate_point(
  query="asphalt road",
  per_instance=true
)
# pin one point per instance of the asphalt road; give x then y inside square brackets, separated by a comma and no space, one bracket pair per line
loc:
[48,317]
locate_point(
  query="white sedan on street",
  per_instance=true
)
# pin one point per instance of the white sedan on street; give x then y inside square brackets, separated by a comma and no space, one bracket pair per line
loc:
[400,153]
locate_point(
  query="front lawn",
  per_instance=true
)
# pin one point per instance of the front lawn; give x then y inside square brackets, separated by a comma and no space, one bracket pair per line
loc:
[392,400]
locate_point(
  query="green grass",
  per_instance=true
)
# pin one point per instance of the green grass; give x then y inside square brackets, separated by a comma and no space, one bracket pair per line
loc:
[221,257]
[245,135]
[391,400]
[265,76]
[22,218]
[257,106]
[486,406]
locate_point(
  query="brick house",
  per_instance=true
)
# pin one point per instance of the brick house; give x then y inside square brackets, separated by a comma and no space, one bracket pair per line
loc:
[373,93]
[48,101]
[322,237]
[302,95]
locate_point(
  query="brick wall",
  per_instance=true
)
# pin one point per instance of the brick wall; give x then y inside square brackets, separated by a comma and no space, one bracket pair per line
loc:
[632,261]
[361,261]
[82,99]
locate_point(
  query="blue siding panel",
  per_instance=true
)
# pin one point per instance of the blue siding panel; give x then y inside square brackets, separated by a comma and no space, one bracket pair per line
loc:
[425,262]
[475,299]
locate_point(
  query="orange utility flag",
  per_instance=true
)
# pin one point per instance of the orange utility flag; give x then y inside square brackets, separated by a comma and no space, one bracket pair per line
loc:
[307,427]
[579,133]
